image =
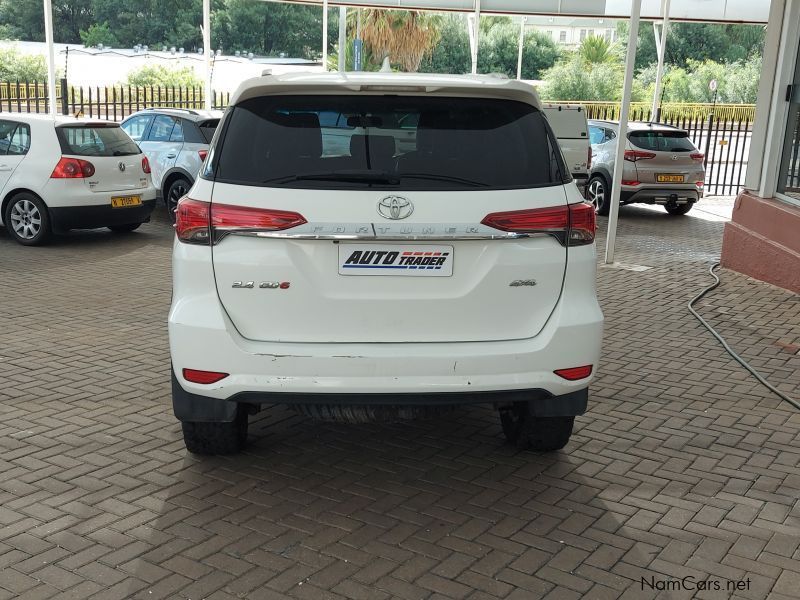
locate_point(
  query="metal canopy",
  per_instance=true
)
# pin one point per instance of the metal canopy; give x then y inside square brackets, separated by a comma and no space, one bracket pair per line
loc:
[721,11]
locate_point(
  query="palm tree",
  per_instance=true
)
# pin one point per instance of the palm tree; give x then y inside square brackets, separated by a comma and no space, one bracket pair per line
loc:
[404,36]
[597,50]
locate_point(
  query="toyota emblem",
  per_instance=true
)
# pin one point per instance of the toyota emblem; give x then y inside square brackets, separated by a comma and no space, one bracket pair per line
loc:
[395,207]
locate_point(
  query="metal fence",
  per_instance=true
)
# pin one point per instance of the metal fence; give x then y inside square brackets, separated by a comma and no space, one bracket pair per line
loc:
[110,102]
[721,131]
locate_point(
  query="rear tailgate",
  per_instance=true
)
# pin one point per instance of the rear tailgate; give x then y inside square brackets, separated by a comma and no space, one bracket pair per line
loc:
[405,259]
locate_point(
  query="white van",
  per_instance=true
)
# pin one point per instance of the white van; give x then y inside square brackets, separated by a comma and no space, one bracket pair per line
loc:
[569,124]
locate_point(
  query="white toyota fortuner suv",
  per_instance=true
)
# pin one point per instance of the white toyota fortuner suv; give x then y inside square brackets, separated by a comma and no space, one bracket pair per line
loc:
[369,244]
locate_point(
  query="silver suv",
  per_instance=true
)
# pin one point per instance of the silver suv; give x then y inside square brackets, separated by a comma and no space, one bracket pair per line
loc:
[662,166]
[175,141]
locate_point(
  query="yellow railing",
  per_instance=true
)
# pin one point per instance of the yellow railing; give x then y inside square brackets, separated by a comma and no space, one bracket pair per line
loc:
[24,91]
[671,111]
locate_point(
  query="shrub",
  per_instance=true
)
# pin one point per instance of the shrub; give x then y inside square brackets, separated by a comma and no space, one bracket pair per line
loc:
[163,76]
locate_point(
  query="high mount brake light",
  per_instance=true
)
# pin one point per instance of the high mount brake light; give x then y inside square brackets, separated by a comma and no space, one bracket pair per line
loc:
[571,225]
[72,168]
[199,222]
[635,155]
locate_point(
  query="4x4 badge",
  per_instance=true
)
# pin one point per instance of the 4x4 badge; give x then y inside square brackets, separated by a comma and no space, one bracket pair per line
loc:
[395,207]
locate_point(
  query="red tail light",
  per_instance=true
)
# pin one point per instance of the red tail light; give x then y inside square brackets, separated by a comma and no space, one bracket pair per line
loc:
[699,183]
[630,182]
[203,154]
[145,164]
[574,373]
[204,377]
[72,168]
[697,156]
[634,155]
[572,225]
[195,220]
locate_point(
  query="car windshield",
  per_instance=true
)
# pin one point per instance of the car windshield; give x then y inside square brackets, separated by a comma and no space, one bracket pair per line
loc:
[662,141]
[407,142]
[95,140]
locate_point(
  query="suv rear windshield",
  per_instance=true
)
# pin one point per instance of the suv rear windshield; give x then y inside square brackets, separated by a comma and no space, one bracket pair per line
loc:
[662,141]
[97,139]
[405,142]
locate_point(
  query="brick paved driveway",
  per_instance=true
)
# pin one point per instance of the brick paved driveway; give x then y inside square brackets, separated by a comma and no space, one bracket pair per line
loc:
[683,467]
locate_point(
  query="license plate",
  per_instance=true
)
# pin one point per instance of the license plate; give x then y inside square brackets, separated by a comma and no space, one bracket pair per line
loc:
[408,260]
[125,201]
[669,178]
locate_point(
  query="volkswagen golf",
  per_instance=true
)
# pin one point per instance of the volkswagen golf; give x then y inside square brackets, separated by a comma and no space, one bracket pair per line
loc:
[375,245]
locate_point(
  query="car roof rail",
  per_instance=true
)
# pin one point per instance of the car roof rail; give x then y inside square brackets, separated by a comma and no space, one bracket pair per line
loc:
[186,110]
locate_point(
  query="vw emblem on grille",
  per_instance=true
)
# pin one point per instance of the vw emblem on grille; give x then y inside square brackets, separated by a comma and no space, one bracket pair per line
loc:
[395,207]
[121,166]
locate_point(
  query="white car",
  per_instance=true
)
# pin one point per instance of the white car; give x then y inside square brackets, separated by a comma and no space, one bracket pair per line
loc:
[571,129]
[374,281]
[62,173]
[175,141]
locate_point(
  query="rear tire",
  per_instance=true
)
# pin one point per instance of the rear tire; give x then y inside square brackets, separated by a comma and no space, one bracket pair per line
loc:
[127,228]
[176,190]
[526,432]
[680,209]
[216,438]
[597,194]
[27,220]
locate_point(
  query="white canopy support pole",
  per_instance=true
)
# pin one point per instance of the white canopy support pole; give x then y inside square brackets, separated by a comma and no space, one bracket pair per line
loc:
[51,61]
[622,136]
[662,50]
[521,43]
[475,25]
[325,35]
[207,52]
[342,39]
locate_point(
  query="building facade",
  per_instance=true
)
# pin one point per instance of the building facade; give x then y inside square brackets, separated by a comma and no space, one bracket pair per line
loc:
[762,239]
[570,32]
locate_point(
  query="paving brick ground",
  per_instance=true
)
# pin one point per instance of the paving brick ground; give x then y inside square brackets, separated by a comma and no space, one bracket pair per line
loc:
[683,467]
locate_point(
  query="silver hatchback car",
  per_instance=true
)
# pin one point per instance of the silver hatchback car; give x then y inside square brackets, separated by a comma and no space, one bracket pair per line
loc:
[662,166]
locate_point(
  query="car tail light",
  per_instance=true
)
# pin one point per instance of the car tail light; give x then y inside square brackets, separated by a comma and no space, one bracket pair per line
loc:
[198,222]
[203,154]
[571,225]
[204,377]
[699,183]
[630,182]
[145,164]
[72,168]
[574,373]
[697,156]
[634,155]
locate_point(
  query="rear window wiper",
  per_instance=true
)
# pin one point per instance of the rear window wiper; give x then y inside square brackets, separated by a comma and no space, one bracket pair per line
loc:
[447,178]
[346,176]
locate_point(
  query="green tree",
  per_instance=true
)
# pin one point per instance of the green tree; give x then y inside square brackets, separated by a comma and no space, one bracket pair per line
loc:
[498,51]
[597,50]
[163,76]
[451,54]
[99,34]
[15,66]
[575,79]
[404,36]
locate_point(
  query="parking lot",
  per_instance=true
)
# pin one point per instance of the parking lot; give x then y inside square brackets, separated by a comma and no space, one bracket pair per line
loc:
[684,470]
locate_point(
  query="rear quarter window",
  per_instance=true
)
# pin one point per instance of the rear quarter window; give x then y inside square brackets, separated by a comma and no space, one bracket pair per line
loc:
[387,142]
[95,140]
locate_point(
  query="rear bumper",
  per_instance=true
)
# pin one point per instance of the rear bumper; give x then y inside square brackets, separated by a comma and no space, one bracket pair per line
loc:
[65,218]
[659,195]
[197,408]
[202,337]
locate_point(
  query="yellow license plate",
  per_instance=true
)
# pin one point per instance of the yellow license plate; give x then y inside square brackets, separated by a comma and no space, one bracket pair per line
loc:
[669,178]
[125,201]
